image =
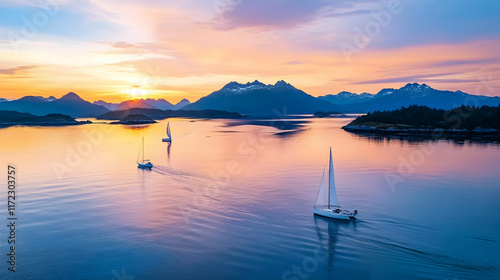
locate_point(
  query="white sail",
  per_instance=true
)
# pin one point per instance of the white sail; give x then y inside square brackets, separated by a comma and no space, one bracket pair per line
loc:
[322,199]
[168,131]
[333,201]
[141,151]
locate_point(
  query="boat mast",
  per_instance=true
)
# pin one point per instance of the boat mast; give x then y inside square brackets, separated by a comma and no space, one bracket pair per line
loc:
[329,176]
[142,149]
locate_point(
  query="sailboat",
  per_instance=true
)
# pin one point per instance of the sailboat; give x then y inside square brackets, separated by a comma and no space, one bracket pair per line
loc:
[169,136]
[146,163]
[327,204]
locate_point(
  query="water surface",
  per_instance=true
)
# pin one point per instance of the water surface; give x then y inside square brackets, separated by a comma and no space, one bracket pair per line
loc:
[227,201]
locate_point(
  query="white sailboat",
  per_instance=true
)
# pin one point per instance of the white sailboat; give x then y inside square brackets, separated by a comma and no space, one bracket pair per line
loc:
[327,204]
[145,163]
[169,136]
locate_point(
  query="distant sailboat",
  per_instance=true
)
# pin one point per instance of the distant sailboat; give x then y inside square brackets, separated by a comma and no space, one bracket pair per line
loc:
[146,163]
[327,204]
[169,136]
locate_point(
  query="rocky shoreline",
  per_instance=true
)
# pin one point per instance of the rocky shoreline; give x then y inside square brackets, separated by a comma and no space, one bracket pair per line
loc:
[7,124]
[386,129]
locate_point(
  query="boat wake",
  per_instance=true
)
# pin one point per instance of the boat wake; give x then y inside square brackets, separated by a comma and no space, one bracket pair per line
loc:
[164,170]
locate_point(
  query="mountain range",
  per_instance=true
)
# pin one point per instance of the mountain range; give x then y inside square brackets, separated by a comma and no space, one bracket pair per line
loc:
[70,104]
[73,105]
[346,97]
[143,103]
[257,98]
[411,94]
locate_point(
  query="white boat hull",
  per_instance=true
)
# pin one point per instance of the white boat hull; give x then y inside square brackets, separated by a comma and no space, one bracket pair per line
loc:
[166,140]
[332,214]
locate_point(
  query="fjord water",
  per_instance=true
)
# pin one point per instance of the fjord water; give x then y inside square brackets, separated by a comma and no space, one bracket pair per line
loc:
[228,201]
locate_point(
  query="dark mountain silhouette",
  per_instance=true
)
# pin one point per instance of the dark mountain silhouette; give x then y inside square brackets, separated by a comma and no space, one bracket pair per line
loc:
[181,104]
[71,96]
[258,98]
[107,105]
[50,98]
[160,104]
[135,103]
[418,94]
[70,104]
[143,103]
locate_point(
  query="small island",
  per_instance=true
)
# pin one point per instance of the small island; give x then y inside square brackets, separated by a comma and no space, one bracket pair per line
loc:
[329,114]
[135,119]
[11,118]
[464,122]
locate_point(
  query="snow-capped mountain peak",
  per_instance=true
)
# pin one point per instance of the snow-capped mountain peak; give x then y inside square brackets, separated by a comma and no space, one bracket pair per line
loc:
[366,95]
[236,88]
[346,94]
[283,84]
[385,91]
[415,87]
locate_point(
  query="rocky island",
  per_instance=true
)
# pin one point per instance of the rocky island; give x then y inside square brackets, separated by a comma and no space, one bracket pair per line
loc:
[135,119]
[329,114]
[464,122]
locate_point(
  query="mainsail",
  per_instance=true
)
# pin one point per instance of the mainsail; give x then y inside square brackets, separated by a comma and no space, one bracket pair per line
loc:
[332,196]
[168,131]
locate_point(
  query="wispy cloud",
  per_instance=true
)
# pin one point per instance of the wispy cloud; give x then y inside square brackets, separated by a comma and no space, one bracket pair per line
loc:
[16,70]
[406,79]
[140,48]
[459,62]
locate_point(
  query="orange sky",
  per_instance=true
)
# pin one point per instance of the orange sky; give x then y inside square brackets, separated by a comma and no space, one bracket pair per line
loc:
[117,50]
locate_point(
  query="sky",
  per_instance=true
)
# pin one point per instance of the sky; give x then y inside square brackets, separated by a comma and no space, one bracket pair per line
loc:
[114,50]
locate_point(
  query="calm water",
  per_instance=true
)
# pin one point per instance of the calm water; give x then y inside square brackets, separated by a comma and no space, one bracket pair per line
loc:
[229,201]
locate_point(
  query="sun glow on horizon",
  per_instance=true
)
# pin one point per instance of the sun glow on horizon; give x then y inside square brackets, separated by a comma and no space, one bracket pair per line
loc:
[137,93]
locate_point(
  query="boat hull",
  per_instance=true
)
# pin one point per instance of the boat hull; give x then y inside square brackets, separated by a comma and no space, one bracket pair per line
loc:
[166,140]
[148,165]
[329,213]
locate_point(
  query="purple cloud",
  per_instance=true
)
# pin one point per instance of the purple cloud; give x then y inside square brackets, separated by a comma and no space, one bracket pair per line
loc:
[459,62]
[281,13]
